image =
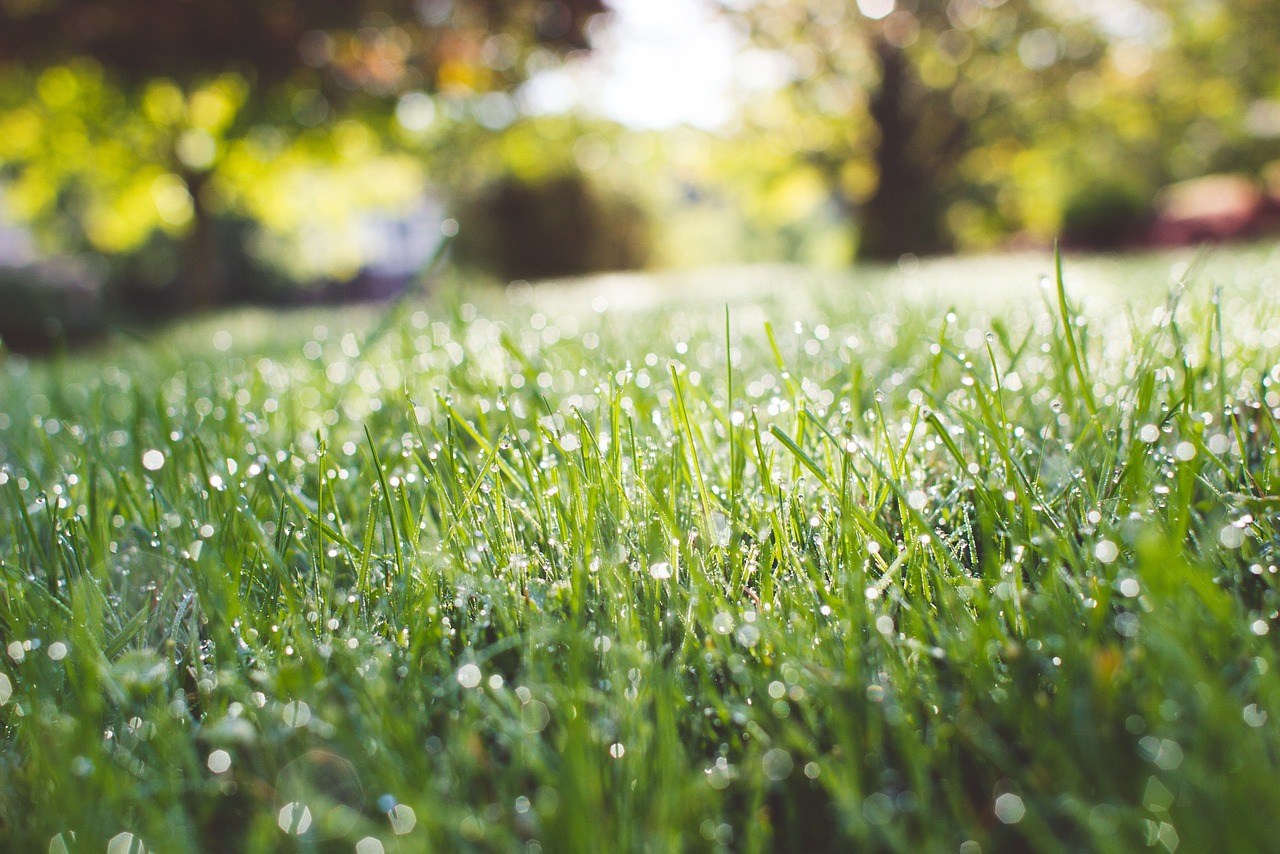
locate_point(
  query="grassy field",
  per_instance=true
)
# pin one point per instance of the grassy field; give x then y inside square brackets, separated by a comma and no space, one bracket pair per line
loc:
[937,559]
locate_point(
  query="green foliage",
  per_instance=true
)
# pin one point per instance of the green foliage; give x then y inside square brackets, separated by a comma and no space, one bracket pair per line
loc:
[1105,215]
[121,121]
[838,569]
[46,305]
[561,226]
[944,124]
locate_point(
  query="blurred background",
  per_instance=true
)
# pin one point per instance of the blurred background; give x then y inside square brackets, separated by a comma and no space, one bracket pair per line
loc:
[160,157]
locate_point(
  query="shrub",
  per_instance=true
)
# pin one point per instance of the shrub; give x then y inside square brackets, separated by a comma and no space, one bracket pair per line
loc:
[49,303]
[1105,215]
[562,226]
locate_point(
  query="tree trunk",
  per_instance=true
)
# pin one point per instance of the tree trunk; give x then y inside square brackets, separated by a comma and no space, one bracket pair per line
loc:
[905,213]
[202,278]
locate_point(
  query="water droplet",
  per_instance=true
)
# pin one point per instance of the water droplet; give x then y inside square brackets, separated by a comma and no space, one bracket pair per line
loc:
[153,460]
[534,716]
[403,819]
[297,714]
[294,818]
[125,843]
[1009,808]
[660,571]
[1231,537]
[778,764]
[219,761]
[748,635]
[469,676]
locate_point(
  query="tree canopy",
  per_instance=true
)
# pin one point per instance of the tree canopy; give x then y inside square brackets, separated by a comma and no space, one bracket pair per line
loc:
[976,118]
[121,119]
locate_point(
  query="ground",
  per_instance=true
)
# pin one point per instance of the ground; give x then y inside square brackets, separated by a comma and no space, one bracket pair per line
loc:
[960,556]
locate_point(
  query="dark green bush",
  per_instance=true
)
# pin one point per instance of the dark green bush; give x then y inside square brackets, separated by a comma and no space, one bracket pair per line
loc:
[562,226]
[1105,214]
[50,303]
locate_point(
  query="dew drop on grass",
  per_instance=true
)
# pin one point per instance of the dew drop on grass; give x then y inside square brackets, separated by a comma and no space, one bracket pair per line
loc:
[219,761]
[778,764]
[297,714]
[534,716]
[153,460]
[660,571]
[370,845]
[469,676]
[1149,433]
[878,808]
[6,689]
[722,623]
[403,819]
[126,843]
[1009,808]
[294,818]
[1106,551]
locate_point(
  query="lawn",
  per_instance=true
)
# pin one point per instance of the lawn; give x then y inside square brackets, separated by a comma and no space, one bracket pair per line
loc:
[964,557]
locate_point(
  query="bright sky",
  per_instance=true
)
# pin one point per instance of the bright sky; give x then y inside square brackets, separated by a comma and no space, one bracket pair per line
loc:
[660,63]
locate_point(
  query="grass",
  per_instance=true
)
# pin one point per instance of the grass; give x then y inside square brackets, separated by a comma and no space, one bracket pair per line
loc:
[888,566]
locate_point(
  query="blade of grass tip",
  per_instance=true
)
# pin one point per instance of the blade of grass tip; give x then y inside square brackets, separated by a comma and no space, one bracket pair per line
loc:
[1085,390]
[803,458]
[613,472]
[391,511]
[997,389]
[733,438]
[703,495]
[860,516]
[782,365]
[362,575]
[465,505]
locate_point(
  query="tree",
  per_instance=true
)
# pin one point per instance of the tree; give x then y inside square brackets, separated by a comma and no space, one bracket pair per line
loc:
[126,117]
[890,100]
